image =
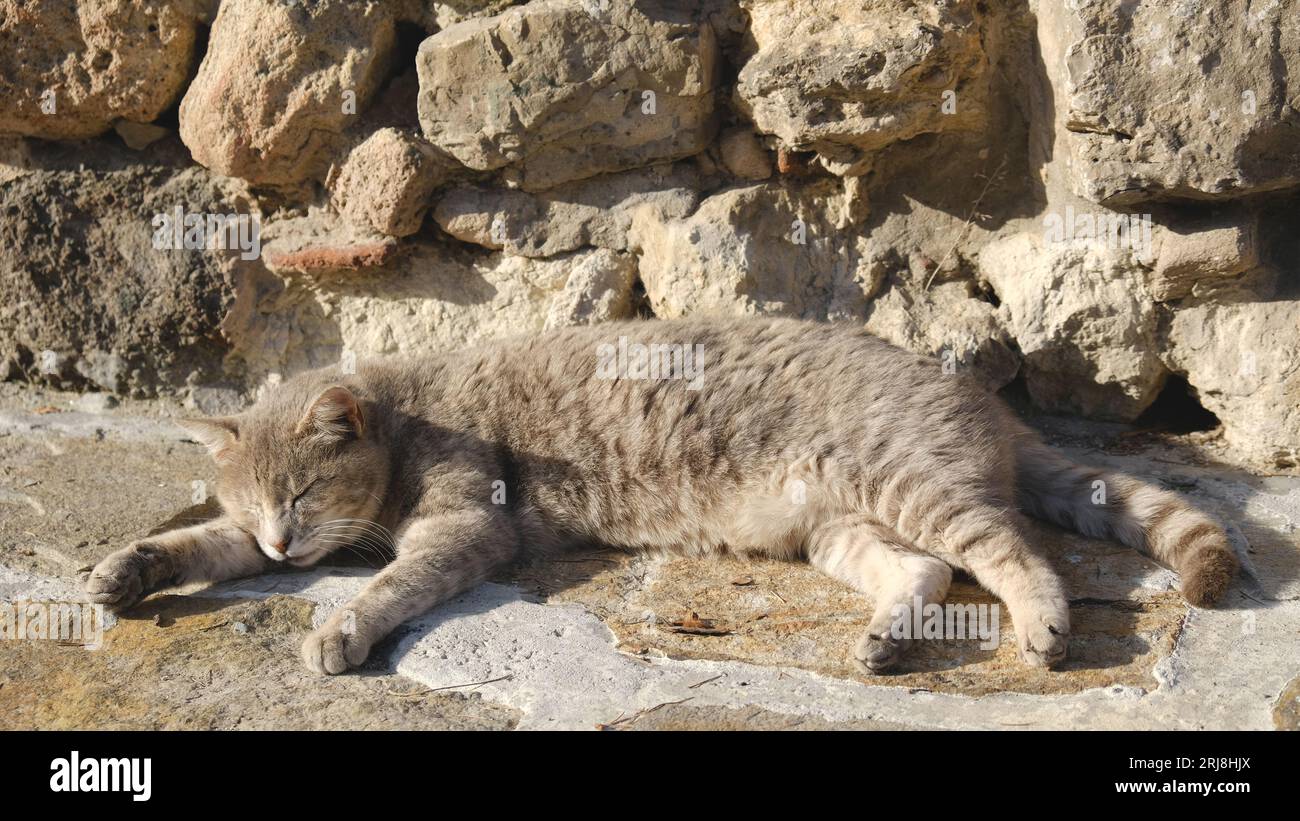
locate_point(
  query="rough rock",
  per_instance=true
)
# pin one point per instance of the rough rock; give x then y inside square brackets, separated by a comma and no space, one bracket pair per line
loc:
[1198,259]
[949,322]
[281,82]
[440,14]
[320,241]
[743,154]
[1244,360]
[846,79]
[83,281]
[386,181]
[139,136]
[757,249]
[1189,100]
[433,299]
[598,288]
[558,91]
[1083,320]
[596,211]
[68,70]
[208,400]
[1286,713]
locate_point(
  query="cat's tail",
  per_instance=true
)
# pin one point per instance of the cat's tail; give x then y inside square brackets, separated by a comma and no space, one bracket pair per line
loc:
[1102,504]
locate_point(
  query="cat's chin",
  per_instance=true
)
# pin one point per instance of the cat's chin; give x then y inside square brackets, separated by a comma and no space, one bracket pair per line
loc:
[307,559]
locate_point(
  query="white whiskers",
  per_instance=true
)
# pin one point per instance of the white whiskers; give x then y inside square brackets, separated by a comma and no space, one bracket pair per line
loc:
[367,539]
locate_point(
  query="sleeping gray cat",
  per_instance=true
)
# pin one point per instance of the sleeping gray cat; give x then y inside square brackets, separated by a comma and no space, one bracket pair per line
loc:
[755,437]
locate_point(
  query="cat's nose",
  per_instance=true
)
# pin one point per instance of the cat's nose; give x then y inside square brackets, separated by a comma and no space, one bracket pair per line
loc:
[282,546]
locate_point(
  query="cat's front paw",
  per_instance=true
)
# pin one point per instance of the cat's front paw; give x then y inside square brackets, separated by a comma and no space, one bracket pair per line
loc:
[335,646]
[1043,636]
[119,580]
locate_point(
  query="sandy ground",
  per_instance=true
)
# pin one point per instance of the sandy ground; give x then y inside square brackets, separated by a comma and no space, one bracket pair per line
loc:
[606,639]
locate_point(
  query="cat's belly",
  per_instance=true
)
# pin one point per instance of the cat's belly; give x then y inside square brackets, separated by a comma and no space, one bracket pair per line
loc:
[771,515]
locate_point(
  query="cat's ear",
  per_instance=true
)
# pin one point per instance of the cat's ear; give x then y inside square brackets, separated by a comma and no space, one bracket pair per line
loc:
[335,413]
[218,434]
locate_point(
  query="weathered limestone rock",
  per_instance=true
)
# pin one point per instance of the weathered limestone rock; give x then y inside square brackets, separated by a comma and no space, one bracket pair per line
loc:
[598,288]
[596,211]
[434,298]
[441,14]
[846,79]
[743,155]
[757,249]
[1192,100]
[1083,320]
[215,400]
[386,181]
[281,82]
[1199,258]
[68,70]
[560,91]
[83,280]
[948,322]
[1244,360]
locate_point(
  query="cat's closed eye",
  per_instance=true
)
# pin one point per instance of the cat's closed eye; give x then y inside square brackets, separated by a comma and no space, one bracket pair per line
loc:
[302,494]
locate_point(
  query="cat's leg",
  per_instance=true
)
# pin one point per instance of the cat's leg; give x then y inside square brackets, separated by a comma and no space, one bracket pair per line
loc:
[212,551]
[438,557]
[873,559]
[989,543]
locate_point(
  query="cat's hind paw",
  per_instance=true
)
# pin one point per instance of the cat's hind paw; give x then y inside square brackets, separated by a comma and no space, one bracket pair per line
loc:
[335,647]
[877,653]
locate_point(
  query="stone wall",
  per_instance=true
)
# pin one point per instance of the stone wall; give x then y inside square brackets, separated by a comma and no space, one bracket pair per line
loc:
[1084,201]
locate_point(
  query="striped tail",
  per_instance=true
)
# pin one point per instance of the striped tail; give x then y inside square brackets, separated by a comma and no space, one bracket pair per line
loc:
[1154,521]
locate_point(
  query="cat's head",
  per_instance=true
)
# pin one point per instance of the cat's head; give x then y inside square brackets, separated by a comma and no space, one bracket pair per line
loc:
[300,471]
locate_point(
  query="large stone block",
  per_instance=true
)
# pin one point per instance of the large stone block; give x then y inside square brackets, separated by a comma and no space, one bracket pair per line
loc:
[758,249]
[1083,320]
[386,182]
[1243,358]
[596,211]
[1177,100]
[559,90]
[847,79]
[950,323]
[280,84]
[69,70]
